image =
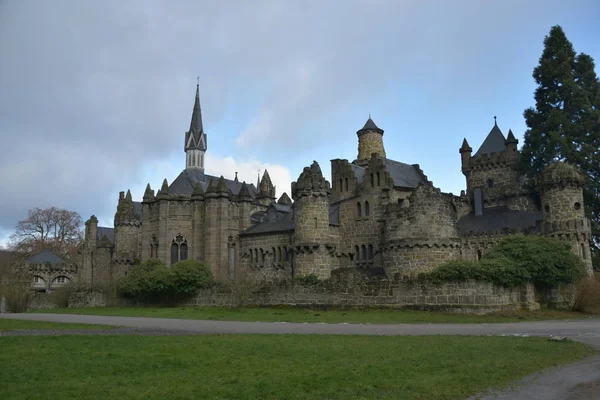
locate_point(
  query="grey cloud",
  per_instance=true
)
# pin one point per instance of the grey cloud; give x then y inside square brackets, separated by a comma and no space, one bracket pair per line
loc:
[91,88]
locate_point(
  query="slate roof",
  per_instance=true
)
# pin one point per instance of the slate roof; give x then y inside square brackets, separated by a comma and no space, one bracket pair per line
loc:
[403,175]
[108,232]
[497,218]
[285,221]
[493,143]
[186,181]
[370,126]
[46,256]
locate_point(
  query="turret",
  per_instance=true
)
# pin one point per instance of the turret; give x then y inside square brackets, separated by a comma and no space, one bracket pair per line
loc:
[311,214]
[127,226]
[195,139]
[370,140]
[89,248]
[465,155]
[266,190]
[511,146]
[561,195]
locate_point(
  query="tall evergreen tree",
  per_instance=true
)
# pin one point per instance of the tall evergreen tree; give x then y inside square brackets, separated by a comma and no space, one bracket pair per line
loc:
[565,123]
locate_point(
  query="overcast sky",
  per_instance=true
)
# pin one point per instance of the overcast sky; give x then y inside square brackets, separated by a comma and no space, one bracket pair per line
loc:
[95,96]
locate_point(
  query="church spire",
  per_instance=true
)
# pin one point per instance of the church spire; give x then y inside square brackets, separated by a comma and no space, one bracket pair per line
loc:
[195,138]
[196,123]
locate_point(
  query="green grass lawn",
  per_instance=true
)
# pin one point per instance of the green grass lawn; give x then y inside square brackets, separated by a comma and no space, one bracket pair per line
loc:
[270,366]
[372,316]
[12,324]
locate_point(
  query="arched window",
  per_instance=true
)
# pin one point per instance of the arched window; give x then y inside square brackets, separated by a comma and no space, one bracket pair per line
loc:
[179,249]
[287,255]
[262,257]
[378,179]
[577,206]
[583,253]
[256,256]
[183,251]
[174,253]
[372,181]
[490,183]
[346,182]
[363,252]
[279,258]
[341,186]
[479,255]
[357,253]
[370,252]
[358,209]
[274,255]
[547,209]
[367,209]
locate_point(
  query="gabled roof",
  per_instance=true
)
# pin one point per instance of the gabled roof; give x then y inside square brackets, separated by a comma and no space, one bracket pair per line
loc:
[403,175]
[46,256]
[493,143]
[186,181]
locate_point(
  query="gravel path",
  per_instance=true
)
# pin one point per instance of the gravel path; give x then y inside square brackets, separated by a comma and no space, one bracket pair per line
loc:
[577,381]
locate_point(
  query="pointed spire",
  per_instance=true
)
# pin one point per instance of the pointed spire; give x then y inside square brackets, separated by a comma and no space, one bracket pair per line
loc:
[465,146]
[258,179]
[236,178]
[222,186]
[495,123]
[211,188]
[511,138]
[198,192]
[244,193]
[266,179]
[149,193]
[164,189]
[128,195]
[196,123]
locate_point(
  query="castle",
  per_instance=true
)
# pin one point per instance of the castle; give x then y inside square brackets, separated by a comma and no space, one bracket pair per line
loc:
[377,214]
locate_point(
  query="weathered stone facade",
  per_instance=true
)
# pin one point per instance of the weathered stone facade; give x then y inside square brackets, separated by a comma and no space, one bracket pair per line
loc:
[377,214]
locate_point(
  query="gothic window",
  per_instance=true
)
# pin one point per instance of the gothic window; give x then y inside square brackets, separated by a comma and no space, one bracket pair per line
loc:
[341,186]
[357,252]
[256,256]
[279,254]
[287,255]
[583,253]
[363,252]
[370,252]
[490,183]
[367,209]
[372,181]
[183,251]
[346,182]
[179,249]
[174,253]
[358,209]
[274,255]
[378,179]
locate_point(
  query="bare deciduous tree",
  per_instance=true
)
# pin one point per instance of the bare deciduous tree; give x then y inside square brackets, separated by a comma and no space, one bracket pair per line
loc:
[49,228]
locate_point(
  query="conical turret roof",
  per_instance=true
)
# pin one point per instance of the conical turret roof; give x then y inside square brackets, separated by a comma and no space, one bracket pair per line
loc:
[493,143]
[370,126]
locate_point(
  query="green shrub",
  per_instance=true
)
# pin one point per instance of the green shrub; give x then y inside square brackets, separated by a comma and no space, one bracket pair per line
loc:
[188,276]
[541,260]
[153,281]
[516,260]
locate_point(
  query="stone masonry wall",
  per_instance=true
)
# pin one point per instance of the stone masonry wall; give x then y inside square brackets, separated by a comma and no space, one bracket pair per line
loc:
[464,297]
[407,260]
[268,256]
[369,143]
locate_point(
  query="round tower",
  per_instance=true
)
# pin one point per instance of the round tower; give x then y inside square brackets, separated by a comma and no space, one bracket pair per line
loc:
[311,214]
[561,194]
[370,140]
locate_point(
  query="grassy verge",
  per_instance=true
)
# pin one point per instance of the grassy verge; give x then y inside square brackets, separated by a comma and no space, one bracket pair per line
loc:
[372,316]
[13,324]
[270,366]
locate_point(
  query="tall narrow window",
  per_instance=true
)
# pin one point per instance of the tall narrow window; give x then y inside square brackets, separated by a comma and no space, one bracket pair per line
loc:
[174,253]
[357,253]
[341,187]
[183,251]
[363,252]
[346,182]
[358,209]
[583,253]
[201,160]
[378,179]
[370,252]
[256,256]
[490,183]
[372,181]
[367,209]
[274,255]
